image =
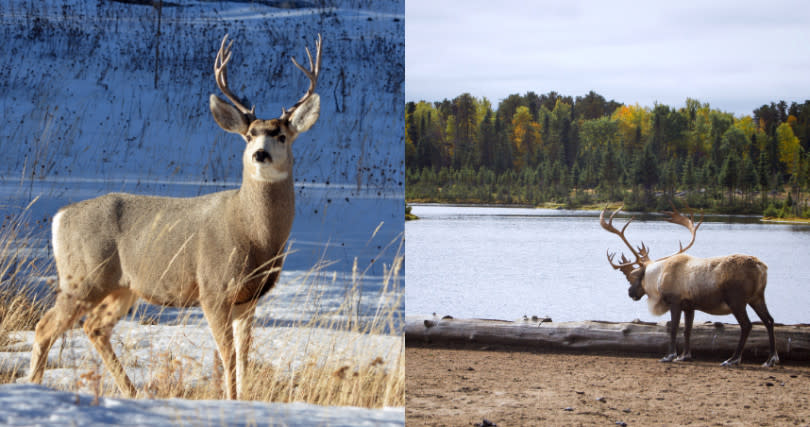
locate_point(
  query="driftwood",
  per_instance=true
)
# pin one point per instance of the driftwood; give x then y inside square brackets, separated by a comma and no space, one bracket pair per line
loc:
[710,338]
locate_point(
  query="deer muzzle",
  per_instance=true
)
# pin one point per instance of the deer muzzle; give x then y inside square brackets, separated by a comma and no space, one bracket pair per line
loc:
[261,156]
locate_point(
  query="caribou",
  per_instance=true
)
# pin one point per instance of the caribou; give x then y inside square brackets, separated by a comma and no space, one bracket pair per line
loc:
[683,283]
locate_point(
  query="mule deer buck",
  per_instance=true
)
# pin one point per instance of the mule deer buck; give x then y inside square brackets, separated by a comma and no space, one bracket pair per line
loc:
[679,282]
[221,251]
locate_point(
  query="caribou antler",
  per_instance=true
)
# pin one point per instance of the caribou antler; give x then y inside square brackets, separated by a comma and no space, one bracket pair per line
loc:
[221,76]
[312,75]
[675,217]
[642,254]
[624,262]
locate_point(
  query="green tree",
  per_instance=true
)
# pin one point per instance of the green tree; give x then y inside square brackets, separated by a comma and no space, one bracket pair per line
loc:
[465,122]
[688,178]
[646,173]
[729,174]
[748,178]
[669,176]
[487,140]
[559,132]
[733,141]
[609,172]
[593,106]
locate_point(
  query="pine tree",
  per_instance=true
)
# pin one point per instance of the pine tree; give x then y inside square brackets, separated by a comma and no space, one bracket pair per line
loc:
[729,174]
[646,173]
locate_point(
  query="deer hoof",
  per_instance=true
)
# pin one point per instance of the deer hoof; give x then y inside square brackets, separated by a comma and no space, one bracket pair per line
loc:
[731,362]
[668,358]
[771,362]
[684,358]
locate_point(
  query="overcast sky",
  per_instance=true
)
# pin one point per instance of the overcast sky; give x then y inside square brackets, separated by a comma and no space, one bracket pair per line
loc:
[735,55]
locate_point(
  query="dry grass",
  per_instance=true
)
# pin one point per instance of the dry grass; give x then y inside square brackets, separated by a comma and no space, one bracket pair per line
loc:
[19,269]
[315,376]
[369,385]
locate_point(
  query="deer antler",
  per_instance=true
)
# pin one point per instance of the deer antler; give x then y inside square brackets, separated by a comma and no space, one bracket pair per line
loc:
[312,75]
[642,253]
[221,76]
[675,217]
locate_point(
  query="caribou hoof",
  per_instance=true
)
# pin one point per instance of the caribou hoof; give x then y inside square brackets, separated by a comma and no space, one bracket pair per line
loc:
[668,358]
[771,362]
[731,362]
[684,358]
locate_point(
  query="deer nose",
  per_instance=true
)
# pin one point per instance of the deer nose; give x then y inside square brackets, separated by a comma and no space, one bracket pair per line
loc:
[261,155]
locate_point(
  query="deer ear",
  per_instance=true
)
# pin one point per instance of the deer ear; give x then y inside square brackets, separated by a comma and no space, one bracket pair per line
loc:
[306,114]
[227,116]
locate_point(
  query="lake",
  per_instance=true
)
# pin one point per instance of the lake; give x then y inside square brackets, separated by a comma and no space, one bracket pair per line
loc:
[505,262]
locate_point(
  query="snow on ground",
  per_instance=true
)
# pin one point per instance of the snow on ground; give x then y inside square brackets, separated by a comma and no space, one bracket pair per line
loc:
[144,350]
[26,405]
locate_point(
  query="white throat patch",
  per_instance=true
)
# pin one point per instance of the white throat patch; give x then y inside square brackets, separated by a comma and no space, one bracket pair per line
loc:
[268,174]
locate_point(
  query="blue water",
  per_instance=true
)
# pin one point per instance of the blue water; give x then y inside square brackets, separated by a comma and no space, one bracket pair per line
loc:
[503,263]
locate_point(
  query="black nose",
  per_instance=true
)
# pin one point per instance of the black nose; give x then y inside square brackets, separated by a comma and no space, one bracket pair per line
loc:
[261,156]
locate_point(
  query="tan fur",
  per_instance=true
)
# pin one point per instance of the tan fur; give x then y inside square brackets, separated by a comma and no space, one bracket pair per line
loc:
[221,251]
[701,282]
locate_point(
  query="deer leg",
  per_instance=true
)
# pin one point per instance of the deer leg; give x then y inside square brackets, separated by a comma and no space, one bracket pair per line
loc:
[745,328]
[688,317]
[64,313]
[218,313]
[99,326]
[675,311]
[762,311]
[242,325]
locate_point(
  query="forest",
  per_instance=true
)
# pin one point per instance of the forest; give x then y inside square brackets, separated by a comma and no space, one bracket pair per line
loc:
[552,149]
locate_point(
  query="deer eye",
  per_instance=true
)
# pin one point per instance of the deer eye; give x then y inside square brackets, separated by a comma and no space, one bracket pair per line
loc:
[282,138]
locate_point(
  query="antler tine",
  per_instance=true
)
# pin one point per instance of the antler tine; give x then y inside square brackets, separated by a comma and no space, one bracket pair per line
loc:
[623,263]
[221,75]
[626,224]
[312,75]
[609,227]
[676,217]
[644,251]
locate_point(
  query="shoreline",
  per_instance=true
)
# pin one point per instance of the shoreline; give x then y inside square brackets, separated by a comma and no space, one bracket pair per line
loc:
[598,208]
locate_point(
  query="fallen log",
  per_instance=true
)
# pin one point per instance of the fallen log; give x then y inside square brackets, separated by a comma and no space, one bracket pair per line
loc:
[709,338]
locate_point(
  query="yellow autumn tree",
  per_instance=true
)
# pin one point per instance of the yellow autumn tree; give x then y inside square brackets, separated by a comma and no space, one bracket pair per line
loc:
[634,125]
[789,148]
[747,125]
[525,137]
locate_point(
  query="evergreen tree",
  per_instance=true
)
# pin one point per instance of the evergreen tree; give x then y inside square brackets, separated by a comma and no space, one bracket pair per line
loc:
[646,172]
[487,141]
[729,174]
[688,178]
[609,172]
[748,178]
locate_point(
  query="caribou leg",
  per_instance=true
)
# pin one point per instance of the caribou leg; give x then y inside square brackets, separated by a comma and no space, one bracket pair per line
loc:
[688,317]
[675,311]
[745,328]
[762,311]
